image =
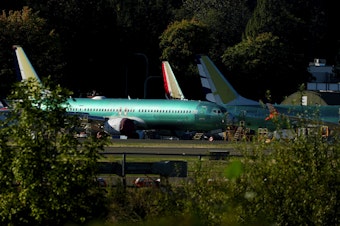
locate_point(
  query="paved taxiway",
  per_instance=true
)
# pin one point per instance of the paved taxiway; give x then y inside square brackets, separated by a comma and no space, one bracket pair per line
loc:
[173,147]
[141,147]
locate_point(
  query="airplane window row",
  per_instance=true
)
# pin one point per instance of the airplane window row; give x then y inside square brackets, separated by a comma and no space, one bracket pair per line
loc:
[130,110]
[165,111]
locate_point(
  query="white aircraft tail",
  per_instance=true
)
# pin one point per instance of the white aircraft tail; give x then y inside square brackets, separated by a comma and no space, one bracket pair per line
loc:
[25,69]
[172,89]
[216,87]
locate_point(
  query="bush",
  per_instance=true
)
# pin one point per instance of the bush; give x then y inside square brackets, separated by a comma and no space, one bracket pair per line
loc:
[294,182]
[47,176]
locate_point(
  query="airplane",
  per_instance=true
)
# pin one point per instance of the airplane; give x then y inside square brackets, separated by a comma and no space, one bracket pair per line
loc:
[171,87]
[129,116]
[255,113]
[218,90]
[4,110]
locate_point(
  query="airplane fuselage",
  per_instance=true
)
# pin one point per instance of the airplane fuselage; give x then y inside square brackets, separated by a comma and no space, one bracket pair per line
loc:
[153,113]
[125,116]
[218,90]
[255,116]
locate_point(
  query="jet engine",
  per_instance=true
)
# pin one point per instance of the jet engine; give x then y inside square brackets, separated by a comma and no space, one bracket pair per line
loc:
[120,126]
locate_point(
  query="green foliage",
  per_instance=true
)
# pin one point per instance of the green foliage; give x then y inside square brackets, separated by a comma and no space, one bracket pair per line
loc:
[56,32]
[28,29]
[225,20]
[284,182]
[179,44]
[291,183]
[265,61]
[181,41]
[234,170]
[262,49]
[206,196]
[47,176]
[292,23]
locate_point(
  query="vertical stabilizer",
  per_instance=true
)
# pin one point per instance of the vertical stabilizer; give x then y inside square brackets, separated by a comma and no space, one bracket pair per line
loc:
[216,88]
[24,67]
[172,89]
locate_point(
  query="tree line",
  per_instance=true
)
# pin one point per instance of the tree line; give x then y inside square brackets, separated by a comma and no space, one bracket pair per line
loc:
[112,46]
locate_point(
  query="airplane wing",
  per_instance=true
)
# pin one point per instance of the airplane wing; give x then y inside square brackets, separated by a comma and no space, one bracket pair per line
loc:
[172,89]
[110,125]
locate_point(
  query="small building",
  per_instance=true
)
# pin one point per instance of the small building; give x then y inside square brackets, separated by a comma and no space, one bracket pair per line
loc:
[324,78]
[325,83]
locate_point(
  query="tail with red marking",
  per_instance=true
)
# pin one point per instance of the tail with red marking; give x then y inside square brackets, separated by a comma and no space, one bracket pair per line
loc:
[172,89]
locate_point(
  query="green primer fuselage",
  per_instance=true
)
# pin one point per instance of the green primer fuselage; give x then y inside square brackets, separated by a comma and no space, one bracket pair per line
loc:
[147,114]
[253,113]
[155,113]
[255,116]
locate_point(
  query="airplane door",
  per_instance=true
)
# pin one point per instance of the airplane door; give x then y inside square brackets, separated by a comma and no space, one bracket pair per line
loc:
[202,113]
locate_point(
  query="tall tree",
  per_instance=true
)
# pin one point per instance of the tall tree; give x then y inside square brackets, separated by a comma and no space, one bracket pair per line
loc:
[179,43]
[259,64]
[226,21]
[47,176]
[27,29]
[292,22]
[307,25]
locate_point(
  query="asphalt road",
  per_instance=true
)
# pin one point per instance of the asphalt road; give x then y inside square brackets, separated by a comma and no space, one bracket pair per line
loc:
[154,147]
[171,147]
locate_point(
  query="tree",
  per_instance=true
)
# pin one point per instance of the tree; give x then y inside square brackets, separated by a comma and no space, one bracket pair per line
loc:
[304,25]
[291,182]
[179,43]
[264,63]
[47,176]
[300,26]
[27,29]
[225,20]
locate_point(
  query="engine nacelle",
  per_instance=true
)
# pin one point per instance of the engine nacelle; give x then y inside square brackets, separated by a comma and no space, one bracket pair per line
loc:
[120,126]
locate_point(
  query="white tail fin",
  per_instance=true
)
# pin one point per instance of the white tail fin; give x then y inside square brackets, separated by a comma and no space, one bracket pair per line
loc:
[216,87]
[172,89]
[25,69]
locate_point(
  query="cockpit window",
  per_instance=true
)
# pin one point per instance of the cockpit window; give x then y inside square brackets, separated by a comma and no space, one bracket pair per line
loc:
[217,111]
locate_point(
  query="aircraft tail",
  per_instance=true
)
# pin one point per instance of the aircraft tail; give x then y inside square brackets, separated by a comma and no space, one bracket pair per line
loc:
[24,67]
[216,87]
[3,104]
[172,89]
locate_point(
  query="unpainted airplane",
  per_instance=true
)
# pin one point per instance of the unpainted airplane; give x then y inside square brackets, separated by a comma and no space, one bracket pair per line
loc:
[127,116]
[254,113]
[3,110]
